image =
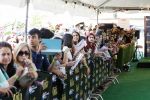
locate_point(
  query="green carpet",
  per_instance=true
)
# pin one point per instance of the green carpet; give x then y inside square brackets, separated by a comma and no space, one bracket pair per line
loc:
[134,85]
[146,59]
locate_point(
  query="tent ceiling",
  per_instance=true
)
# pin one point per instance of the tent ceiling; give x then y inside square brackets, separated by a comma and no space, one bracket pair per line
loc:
[127,3]
[116,4]
[93,2]
[79,6]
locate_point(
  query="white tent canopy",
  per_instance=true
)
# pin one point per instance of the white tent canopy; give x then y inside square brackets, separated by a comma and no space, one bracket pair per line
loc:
[85,8]
[118,3]
[81,7]
[56,6]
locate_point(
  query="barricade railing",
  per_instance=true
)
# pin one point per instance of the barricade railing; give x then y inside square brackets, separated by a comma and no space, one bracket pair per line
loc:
[76,86]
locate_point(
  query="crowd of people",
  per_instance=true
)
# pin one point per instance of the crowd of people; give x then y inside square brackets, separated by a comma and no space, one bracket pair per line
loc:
[19,59]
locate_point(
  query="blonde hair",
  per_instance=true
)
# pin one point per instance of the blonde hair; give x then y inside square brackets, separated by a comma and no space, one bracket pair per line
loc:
[18,48]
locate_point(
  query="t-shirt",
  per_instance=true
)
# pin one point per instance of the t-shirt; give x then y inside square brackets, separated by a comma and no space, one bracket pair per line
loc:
[3,77]
[69,55]
[40,60]
[78,47]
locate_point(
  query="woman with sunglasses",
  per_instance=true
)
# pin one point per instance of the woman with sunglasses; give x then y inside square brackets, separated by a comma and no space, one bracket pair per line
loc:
[23,59]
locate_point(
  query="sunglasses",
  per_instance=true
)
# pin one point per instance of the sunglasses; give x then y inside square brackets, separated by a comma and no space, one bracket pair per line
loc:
[21,53]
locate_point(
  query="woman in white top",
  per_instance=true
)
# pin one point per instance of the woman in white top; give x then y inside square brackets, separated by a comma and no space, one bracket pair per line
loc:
[68,50]
[79,45]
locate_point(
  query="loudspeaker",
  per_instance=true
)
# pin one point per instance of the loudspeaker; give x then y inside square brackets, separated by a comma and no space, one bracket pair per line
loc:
[137,34]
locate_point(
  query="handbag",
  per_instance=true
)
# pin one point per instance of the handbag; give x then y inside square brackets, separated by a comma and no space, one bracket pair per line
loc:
[17,96]
[26,80]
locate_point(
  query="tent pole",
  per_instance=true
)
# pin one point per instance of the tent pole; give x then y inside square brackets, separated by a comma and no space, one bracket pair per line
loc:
[97,15]
[26,21]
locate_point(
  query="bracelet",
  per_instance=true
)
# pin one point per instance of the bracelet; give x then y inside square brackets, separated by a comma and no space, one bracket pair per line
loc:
[16,76]
[53,61]
[86,66]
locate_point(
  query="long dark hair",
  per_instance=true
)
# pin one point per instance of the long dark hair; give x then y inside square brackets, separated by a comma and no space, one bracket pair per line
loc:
[90,45]
[67,40]
[46,33]
[11,64]
[78,35]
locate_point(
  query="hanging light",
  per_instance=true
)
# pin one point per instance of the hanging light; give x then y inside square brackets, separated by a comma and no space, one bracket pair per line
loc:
[75,2]
[66,2]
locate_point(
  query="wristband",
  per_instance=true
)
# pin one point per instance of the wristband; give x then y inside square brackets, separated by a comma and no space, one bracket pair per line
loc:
[16,76]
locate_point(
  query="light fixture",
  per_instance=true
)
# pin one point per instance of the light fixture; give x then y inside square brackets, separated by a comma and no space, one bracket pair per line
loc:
[66,2]
[75,2]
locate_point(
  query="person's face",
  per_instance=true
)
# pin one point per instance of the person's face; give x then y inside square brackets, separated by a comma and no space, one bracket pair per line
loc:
[97,37]
[104,37]
[20,38]
[23,54]
[5,55]
[91,39]
[59,55]
[34,40]
[107,37]
[75,37]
